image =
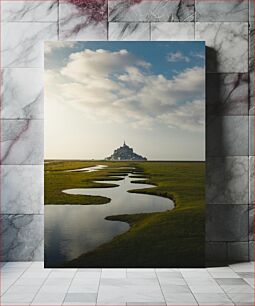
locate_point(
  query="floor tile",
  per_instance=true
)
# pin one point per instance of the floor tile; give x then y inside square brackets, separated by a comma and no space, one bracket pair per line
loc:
[141,273]
[175,289]
[230,281]
[44,298]
[180,299]
[243,267]
[81,298]
[242,299]
[195,273]
[84,285]
[222,272]
[213,299]
[114,273]
[237,289]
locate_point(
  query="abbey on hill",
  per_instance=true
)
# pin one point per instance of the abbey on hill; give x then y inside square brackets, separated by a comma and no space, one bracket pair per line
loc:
[125,153]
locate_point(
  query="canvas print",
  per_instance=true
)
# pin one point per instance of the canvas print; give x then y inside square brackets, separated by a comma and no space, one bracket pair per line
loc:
[124,154]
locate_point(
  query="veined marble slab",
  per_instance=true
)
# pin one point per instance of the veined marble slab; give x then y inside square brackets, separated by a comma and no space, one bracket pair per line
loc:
[239,252]
[227,223]
[227,180]
[251,180]
[76,23]
[251,10]
[22,237]
[23,10]
[227,136]
[22,93]
[129,31]
[251,135]
[251,68]
[21,189]
[228,45]
[172,31]
[151,10]
[227,93]
[22,43]
[21,142]
[251,217]
[213,10]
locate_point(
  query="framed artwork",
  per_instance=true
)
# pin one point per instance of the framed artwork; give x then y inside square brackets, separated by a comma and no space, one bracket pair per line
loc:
[124,154]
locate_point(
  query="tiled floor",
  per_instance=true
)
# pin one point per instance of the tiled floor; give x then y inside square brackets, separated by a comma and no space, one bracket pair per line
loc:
[27,283]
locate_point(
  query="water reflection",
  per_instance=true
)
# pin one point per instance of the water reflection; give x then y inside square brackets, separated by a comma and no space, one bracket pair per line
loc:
[88,169]
[72,230]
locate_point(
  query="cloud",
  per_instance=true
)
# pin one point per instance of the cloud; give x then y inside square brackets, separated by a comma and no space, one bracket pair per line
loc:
[50,46]
[119,87]
[177,57]
[198,55]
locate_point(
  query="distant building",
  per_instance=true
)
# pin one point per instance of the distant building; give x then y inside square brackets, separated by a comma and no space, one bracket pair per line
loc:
[125,153]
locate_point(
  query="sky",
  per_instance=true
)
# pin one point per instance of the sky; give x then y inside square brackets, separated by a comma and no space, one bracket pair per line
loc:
[150,94]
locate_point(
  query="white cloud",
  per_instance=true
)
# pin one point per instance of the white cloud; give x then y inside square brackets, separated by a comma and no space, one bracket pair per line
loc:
[177,57]
[50,46]
[198,55]
[119,87]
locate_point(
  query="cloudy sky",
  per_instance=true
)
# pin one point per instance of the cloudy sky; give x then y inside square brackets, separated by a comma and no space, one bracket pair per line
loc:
[150,94]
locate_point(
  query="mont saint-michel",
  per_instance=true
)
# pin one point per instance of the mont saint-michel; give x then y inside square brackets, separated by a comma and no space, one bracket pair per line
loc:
[125,153]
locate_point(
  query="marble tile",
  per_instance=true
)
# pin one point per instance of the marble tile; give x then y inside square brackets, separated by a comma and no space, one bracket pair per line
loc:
[227,180]
[114,273]
[222,273]
[23,43]
[251,10]
[22,142]
[243,267]
[251,222]
[213,299]
[22,93]
[141,273]
[227,42]
[22,189]
[234,10]
[79,20]
[23,10]
[227,94]
[44,298]
[170,289]
[22,237]
[84,285]
[251,250]
[215,253]
[251,68]
[227,136]
[242,299]
[81,298]
[227,223]
[129,31]
[251,180]
[19,294]
[195,276]
[145,294]
[238,251]
[172,31]
[251,93]
[180,299]
[251,135]
[151,10]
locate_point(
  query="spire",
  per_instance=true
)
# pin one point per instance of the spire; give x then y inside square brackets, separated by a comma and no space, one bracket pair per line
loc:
[124,143]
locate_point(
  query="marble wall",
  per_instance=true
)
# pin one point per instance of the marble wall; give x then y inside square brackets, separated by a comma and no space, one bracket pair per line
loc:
[226,26]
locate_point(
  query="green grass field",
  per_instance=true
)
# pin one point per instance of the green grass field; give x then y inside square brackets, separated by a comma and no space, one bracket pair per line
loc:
[167,239]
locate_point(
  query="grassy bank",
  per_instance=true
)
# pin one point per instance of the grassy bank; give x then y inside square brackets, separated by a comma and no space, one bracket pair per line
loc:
[57,179]
[167,239]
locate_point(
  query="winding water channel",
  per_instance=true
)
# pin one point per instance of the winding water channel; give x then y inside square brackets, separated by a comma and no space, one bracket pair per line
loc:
[72,230]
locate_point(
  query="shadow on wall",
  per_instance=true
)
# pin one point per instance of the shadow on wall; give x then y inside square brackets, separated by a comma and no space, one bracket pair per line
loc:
[216,167]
